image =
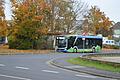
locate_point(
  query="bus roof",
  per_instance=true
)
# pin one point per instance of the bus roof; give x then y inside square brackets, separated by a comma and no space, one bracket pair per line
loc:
[96,37]
[81,36]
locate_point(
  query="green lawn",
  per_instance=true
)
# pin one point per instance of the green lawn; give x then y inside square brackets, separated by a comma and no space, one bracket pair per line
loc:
[95,64]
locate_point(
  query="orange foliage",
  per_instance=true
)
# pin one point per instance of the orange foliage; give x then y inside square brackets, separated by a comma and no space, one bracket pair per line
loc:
[99,20]
[43,30]
[39,17]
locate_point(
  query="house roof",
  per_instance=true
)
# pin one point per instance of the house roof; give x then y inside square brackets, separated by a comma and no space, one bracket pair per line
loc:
[116,26]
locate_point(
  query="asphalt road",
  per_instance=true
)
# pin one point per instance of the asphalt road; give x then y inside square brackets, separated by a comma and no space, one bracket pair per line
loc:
[37,67]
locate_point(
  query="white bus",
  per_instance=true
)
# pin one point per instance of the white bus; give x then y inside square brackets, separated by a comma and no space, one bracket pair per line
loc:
[78,43]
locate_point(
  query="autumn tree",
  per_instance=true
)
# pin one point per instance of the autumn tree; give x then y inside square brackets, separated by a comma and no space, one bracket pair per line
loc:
[30,22]
[3,23]
[97,22]
[34,19]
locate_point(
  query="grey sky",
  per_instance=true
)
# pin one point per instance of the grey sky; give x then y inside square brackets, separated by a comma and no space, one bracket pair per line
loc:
[110,7]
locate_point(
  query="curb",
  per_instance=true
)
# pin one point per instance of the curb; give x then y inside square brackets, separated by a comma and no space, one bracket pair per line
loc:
[15,54]
[54,63]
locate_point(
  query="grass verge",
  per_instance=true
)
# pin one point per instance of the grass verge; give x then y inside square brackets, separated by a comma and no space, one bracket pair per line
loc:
[95,64]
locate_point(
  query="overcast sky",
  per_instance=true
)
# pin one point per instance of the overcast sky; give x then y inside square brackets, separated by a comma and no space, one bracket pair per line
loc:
[110,7]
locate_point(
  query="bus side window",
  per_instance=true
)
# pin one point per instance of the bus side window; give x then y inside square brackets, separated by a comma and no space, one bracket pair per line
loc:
[87,42]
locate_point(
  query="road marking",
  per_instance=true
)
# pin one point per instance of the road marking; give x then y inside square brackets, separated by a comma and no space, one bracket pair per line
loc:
[87,76]
[18,67]
[14,77]
[50,71]
[2,65]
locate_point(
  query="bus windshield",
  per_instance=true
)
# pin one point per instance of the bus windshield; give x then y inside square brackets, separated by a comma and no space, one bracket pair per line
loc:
[61,42]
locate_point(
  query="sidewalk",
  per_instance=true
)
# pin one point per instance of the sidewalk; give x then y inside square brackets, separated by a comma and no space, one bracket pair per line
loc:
[115,59]
[65,65]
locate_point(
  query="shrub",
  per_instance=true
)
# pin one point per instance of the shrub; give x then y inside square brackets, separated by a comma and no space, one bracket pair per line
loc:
[26,43]
[19,43]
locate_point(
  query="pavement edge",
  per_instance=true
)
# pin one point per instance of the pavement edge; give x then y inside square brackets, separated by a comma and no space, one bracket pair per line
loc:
[54,63]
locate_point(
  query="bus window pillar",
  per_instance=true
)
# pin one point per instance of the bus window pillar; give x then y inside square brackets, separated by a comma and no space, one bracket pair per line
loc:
[83,44]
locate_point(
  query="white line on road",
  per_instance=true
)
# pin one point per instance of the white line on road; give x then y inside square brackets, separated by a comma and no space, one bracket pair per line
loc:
[87,76]
[50,71]
[14,77]
[2,65]
[18,67]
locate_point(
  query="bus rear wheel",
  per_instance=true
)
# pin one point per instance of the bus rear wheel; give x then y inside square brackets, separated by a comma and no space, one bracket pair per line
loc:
[75,50]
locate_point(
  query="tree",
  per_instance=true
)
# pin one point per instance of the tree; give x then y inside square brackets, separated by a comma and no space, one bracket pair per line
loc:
[78,9]
[97,22]
[3,23]
[30,22]
[35,19]
[65,15]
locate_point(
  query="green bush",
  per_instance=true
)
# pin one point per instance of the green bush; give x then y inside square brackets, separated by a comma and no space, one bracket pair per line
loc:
[40,44]
[116,47]
[19,43]
[25,43]
[12,42]
[43,43]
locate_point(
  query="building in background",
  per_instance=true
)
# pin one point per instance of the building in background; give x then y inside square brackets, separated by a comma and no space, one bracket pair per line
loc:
[116,33]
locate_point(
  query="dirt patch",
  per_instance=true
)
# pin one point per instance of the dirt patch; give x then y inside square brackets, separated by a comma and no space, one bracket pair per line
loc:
[13,51]
[4,50]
